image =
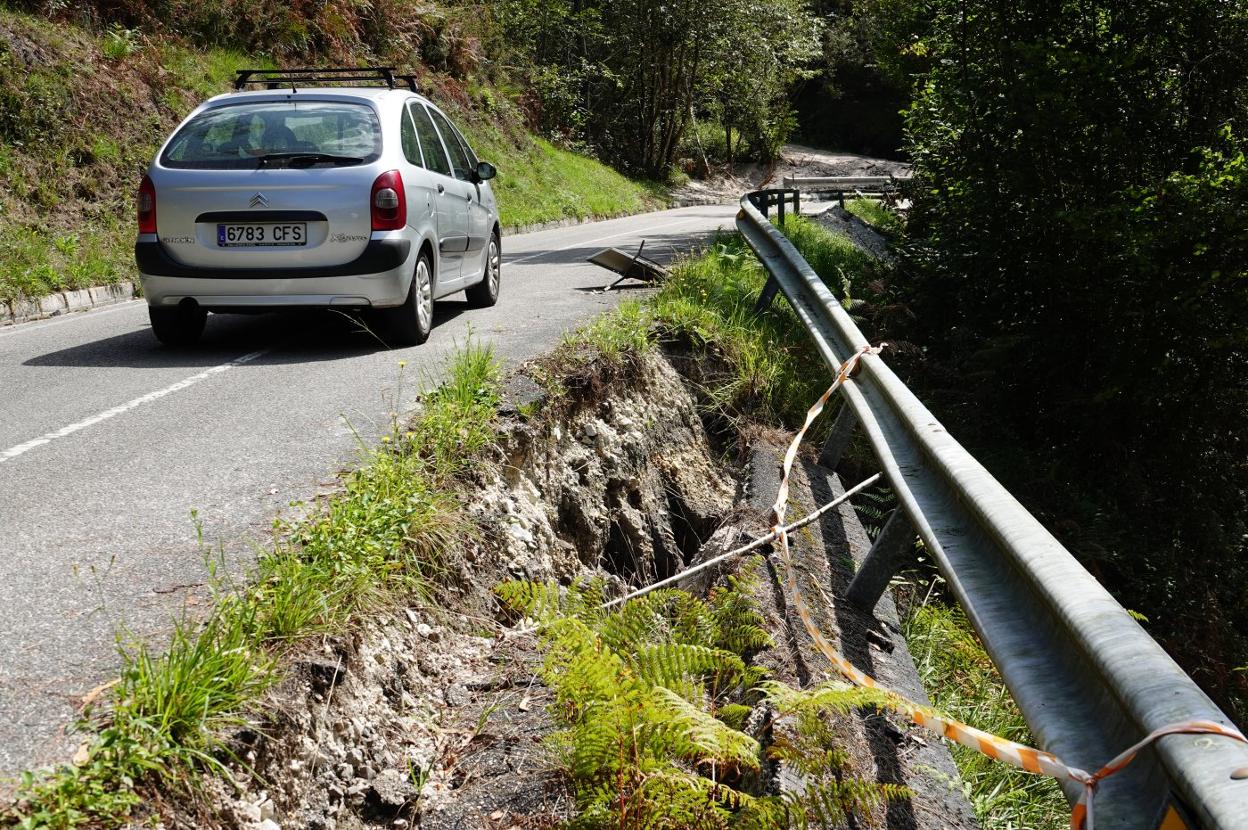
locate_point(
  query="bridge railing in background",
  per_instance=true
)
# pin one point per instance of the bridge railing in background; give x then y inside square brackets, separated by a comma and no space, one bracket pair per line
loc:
[839,186]
[1089,680]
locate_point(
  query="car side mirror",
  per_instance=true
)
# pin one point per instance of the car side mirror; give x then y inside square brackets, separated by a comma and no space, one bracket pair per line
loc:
[485,171]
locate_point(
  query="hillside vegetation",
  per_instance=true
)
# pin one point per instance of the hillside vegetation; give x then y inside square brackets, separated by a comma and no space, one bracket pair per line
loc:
[85,102]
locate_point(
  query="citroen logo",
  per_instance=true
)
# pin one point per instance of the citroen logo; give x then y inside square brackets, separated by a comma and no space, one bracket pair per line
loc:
[258,201]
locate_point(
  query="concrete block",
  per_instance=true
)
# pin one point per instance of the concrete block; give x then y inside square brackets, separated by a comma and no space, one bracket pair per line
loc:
[79,300]
[24,308]
[52,304]
[108,294]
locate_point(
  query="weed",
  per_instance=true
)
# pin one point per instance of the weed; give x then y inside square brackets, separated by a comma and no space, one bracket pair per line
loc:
[619,336]
[878,215]
[119,42]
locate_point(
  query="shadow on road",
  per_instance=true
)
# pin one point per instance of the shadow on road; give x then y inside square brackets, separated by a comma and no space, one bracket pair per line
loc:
[293,337]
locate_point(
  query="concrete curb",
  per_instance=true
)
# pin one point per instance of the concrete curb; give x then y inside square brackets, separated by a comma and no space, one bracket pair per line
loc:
[24,309]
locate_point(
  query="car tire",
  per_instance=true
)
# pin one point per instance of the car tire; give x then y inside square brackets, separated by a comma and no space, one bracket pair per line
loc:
[177,326]
[485,293]
[410,323]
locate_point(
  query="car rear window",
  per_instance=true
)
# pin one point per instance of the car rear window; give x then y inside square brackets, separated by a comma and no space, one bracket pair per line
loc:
[245,136]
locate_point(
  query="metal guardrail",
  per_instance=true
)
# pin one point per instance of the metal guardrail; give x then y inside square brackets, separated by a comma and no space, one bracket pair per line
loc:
[1088,679]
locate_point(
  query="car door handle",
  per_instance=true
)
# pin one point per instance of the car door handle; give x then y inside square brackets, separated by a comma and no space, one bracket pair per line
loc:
[441,189]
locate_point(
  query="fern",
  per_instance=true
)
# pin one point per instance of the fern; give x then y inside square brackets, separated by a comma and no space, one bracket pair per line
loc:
[653,696]
[828,796]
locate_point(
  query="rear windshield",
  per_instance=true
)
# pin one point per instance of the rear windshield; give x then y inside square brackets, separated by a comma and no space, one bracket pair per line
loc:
[278,134]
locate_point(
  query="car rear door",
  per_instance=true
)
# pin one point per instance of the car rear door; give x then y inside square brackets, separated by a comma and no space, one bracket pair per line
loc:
[450,201]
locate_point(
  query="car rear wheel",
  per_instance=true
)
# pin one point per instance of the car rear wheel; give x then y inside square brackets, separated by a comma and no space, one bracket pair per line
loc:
[485,293]
[410,323]
[177,326]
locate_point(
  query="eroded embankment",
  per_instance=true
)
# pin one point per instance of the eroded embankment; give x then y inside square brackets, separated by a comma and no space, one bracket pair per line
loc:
[434,716]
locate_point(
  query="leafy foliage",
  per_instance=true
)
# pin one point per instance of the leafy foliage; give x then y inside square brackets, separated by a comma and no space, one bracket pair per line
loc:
[630,77]
[639,689]
[1078,255]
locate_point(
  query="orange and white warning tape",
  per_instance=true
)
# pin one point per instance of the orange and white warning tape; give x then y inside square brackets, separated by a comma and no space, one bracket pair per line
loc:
[1010,752]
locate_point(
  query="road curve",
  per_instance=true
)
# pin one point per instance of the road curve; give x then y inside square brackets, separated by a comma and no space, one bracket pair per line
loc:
[108,442]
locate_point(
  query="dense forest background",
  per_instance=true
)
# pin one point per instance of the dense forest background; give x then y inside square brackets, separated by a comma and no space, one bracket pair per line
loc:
[1071,295]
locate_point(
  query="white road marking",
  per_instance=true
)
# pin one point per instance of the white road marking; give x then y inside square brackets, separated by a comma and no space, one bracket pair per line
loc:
[69,317]
[47,438]
[601,239]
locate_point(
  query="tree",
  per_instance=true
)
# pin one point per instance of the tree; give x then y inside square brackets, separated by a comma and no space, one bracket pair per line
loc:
[1078,246]
[641,69]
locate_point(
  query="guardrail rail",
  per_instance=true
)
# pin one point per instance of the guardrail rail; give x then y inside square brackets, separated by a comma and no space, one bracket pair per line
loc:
[839,186]
[1088,679]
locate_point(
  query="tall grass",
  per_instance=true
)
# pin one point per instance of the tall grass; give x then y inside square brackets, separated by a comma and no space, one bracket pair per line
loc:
[964,683]
[381,540]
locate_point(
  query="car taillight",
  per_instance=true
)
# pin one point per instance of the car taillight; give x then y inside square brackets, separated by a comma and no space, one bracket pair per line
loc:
[389,202]
[147,206]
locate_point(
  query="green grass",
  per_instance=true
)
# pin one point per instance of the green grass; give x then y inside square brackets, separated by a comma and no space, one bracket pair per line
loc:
[964,683]
[766,359]
[539,182]
[877,215]
[379,542]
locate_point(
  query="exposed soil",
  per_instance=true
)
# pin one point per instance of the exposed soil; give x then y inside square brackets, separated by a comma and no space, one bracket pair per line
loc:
[434,717]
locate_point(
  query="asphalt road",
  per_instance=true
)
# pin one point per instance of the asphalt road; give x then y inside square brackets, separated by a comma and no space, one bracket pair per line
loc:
[109,443]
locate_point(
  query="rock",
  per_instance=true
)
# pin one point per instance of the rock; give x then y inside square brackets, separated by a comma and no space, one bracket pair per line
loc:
[345,771]
[520,534]
[456,695]
[355,756]
[267,810]
[322,675]
[590,430]
[269,824]
[248,812]
[392,788]
[428,632]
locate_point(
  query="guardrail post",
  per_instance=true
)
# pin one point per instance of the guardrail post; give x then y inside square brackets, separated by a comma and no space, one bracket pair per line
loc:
[839,438]
[767,295]
[797,203]
[780,200]
[893,549]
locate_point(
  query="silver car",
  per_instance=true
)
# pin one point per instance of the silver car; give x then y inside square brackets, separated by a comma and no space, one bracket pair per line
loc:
[312,193]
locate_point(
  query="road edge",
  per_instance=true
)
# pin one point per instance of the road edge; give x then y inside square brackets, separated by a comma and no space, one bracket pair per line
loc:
[27,309]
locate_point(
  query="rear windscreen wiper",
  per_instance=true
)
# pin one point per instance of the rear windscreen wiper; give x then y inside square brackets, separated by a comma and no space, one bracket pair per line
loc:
[307,159]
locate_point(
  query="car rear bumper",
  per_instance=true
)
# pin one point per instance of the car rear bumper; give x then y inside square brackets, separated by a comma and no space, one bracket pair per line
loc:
[380,276]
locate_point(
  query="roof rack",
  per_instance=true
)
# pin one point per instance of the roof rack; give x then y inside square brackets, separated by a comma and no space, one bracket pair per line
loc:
[352,76]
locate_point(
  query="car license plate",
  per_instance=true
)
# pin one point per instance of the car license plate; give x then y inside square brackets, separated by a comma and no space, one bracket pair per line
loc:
[253,235]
